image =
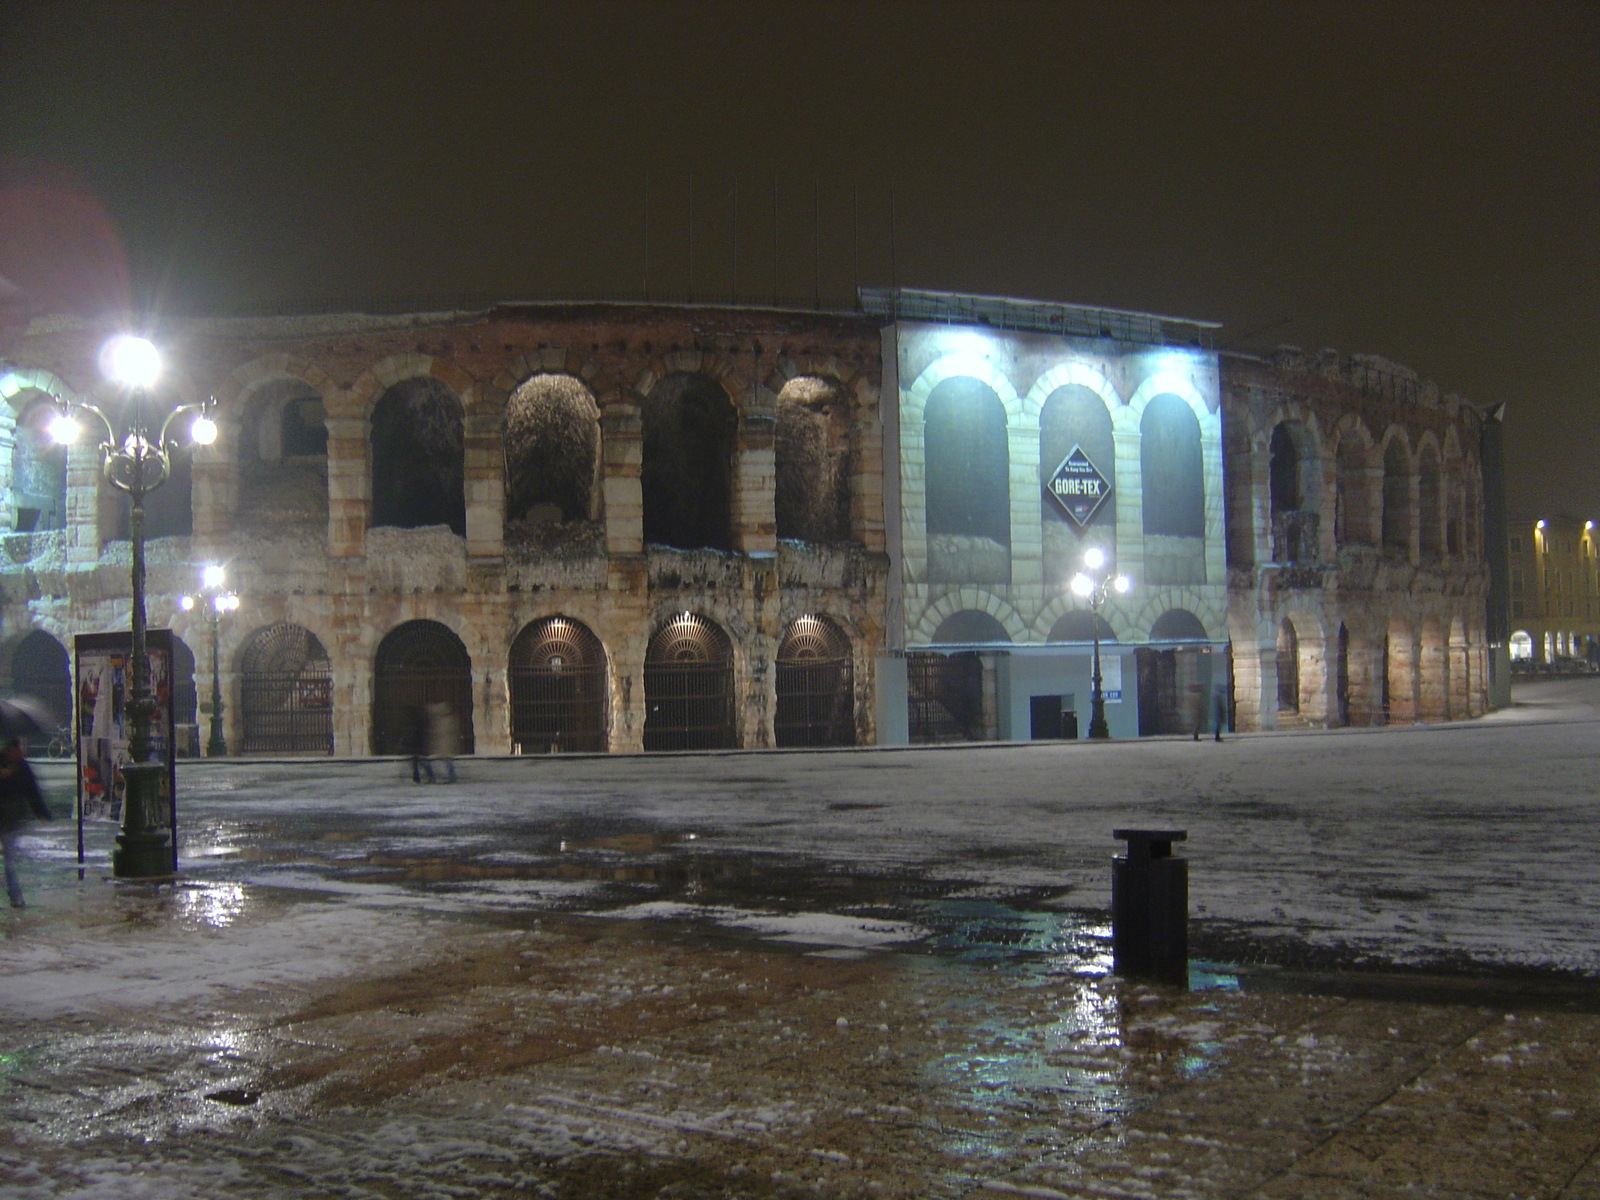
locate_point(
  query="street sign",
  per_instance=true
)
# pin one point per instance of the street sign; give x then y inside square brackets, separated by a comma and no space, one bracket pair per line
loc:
[1078,487]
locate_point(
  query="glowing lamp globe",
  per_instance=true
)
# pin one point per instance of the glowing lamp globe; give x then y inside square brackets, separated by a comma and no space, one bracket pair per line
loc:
[1082,585]
[1094,558]
[131,361]
[64,430]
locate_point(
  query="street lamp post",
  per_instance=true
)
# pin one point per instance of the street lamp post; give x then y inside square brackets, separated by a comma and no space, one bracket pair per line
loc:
[1091,586]
[217,600]
[137,466]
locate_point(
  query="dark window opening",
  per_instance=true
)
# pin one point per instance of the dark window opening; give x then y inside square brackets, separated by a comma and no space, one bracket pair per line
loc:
[38,472]
[552,451]
[418,463]
[687,474]
[811,452]
[1173,469]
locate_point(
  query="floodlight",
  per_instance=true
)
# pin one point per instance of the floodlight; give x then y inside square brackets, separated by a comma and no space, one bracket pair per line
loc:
[131,361]
[213,576]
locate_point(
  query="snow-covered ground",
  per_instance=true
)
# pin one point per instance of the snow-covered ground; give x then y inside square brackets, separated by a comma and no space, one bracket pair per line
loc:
[1472,842]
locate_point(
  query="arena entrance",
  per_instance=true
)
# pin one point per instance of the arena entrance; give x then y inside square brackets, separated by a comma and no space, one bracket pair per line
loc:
[945,697]
[688,687]
[816,691]
[557,676]
[418,664]
[285,693]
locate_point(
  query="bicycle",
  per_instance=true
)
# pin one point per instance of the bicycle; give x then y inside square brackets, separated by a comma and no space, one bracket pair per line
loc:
[61,743]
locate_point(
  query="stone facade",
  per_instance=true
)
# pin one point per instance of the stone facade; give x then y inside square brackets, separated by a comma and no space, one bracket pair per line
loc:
[1355,547]
[664,481]
[325,562]
[1555,591]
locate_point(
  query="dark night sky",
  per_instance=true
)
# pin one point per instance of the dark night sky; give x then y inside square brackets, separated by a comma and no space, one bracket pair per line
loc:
[1420,181]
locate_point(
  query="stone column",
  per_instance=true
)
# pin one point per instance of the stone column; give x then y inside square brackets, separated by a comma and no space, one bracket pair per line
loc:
[755,480]
[621,458]
[866,475]
[484,463]
[348,486]
[1403,655]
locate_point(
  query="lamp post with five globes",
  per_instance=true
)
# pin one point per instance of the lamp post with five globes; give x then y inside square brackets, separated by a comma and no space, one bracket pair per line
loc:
[138,465]
[1093,587]
[217,600]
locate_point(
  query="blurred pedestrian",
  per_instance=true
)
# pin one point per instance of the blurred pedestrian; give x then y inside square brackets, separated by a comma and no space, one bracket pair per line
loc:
[416,743]
[1221,709]
[20,800]
[444,734]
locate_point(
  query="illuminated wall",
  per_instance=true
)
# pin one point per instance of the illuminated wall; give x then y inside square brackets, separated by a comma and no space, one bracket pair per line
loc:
[986,418]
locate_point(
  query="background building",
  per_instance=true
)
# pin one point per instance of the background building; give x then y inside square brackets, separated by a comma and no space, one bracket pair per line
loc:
[1555,592]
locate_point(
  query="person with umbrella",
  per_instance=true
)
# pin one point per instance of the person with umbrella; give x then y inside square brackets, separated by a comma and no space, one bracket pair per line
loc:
[20,799]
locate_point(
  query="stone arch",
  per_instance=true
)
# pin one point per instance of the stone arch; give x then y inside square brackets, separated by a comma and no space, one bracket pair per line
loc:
[419,663]
[814,684]
[418,469]
[185,693]
[1521,646]
[813,459]
[1433,671]
[1294,490]
[1398,516]
[687,474]
[276,436]
[967,483]
[970,626]
[1172,471]
[1430,499]
[557,675]
[689,686]
[1075,418]
[552,455]
[1288,668]
[1353,500]
[975,599]
[1178,625]
[285,692]
[38,466]
[42,668]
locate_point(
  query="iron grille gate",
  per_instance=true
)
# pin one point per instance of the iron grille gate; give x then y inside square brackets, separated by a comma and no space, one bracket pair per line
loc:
[945,697]
[814,703]
[287,711]
[558,708]
[398,695]
[689,706]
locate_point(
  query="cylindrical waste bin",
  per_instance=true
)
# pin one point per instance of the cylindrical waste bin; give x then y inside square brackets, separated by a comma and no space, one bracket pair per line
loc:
[1150,907]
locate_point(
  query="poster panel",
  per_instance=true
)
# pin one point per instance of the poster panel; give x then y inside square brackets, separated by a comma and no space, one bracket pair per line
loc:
[104,685]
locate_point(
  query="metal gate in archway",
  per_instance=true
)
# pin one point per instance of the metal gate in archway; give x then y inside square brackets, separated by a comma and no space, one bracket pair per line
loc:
[945,697]
[688,687]
[557,676]
[418,664]
[285,693]
[815,686]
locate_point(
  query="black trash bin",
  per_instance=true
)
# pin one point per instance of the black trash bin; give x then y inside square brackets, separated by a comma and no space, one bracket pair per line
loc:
[1150,907]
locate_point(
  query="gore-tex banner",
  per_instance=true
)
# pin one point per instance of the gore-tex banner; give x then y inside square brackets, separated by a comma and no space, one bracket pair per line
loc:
[1077,487]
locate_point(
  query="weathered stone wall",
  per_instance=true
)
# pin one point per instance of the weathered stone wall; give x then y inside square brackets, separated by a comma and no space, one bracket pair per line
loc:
[311,556]
[1413,614]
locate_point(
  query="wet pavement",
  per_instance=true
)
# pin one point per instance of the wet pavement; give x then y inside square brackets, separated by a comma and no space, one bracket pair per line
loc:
[820,975]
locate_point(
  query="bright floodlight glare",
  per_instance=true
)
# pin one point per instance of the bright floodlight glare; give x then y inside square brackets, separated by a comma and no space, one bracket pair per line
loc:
[186,603]
[1540,525]
[1082,585]
[1122,583]
[233,603]
[213,576]
[1094,558]
[64,430]
[203,431]
[131,361]
[219,604]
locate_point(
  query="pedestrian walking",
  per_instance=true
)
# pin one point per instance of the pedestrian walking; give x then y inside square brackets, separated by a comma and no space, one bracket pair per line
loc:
[444,735]
[416,743]
[20,800]
[1221,708]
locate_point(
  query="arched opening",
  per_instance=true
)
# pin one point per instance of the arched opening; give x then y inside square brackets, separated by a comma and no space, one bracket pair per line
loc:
[952,696]
[815,684]
[1178,625]
[283,459]
[417,664]
[418,459]
[1396,497]
[185,689]
[1522,646]
[1430,511]
[41,668]
[1080,625]
[1172,471]
[1174,681]
[1075,419]
[687,474]
[688,687]
[168,510]
[968,481]
[1292,491]
[813,462]
[557,674]
[1288,668]
[1353,510]
[38,472]
[285,692]
[552,456]
[1341,678]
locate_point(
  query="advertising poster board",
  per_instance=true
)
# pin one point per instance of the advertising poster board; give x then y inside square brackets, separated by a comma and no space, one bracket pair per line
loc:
[103,678]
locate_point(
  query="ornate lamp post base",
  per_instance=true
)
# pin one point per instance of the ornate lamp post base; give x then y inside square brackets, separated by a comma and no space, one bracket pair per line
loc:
[143,849]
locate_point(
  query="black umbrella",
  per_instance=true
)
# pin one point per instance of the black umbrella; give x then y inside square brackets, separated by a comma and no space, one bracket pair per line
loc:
[25,717]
